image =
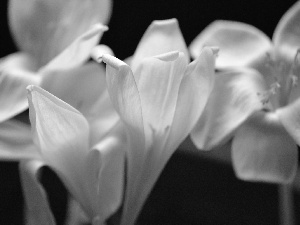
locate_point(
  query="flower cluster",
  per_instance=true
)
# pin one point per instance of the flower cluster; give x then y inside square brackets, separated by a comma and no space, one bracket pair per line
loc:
[108,133]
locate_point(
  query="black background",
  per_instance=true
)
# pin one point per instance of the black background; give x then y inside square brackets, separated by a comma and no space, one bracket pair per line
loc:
[192,189]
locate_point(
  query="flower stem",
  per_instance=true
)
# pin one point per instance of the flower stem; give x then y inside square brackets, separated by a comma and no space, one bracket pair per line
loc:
[286,205]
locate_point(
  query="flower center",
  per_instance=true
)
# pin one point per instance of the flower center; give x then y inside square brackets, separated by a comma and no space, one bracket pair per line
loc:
[285,78]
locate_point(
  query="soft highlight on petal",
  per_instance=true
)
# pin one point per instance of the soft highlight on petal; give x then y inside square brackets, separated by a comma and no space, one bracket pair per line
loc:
[233,99]
[286,36]
[62,134]
[162,36]
[36,203]
[16,73]
[85,89]
[16,142]
[195,88]
[158,79]
[289,117]
[262,150]
[77,52]
[45,28]
[240,44]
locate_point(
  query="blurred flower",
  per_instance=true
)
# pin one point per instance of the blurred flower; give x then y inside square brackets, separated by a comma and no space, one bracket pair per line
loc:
[54,37]
[255,97]
[92,172]
[159,98]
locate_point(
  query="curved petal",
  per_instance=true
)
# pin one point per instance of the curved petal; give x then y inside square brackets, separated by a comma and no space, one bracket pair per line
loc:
[289,117]
[158,79]
[124,93]
[162,36]
[15,75]
[195,88]
[233,99]
[240,44]
[286,36]
[85,89]
[36,203]
[262,150]
[16,141]
[77,52]
[62,134]
[107,162]
[45,28]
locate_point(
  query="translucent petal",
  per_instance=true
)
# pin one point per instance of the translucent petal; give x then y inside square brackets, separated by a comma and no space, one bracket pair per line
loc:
[240,44]
[162,36]
[125,97]
[16,73]
[46,27]
[16,142]
[77,52]
[36,203]
[233,99]
[107,162]
[85,89]
[289,117]
[62,134]
[158,79]
[262,150]
[286,36]
[194,91]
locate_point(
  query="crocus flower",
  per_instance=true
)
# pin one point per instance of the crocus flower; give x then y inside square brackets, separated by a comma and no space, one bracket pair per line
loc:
[255,97]
[159,98]
[92,172]
[53,36]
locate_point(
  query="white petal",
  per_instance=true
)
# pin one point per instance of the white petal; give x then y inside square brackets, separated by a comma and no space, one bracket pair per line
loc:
[45,28]
[289,117]
[77,52]
[16,73]
[286,35]
[162,36]
[240,44]
[262,150]
[16,141]
[85,89]
[106,168]
[233,99]
[158,79]
[62,134]
[36,202]
[125,97]
[194,91]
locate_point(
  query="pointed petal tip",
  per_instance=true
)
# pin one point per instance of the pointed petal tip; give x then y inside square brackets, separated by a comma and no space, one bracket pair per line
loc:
[98,52]
[113,61]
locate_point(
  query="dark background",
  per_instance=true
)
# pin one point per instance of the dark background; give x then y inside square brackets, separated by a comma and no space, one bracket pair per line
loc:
[192,189]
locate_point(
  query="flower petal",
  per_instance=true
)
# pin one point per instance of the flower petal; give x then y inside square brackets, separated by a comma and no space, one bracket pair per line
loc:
[262,150]
[45,28]
[16,141]
[289,117]
[194,91]
[286,35]
[15,75]
[233,99]
[158,79]
[77,52]
[36,203]
[124,93]
[85,89]
[240,44]
[107,163]
[162,36]
[62,134]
